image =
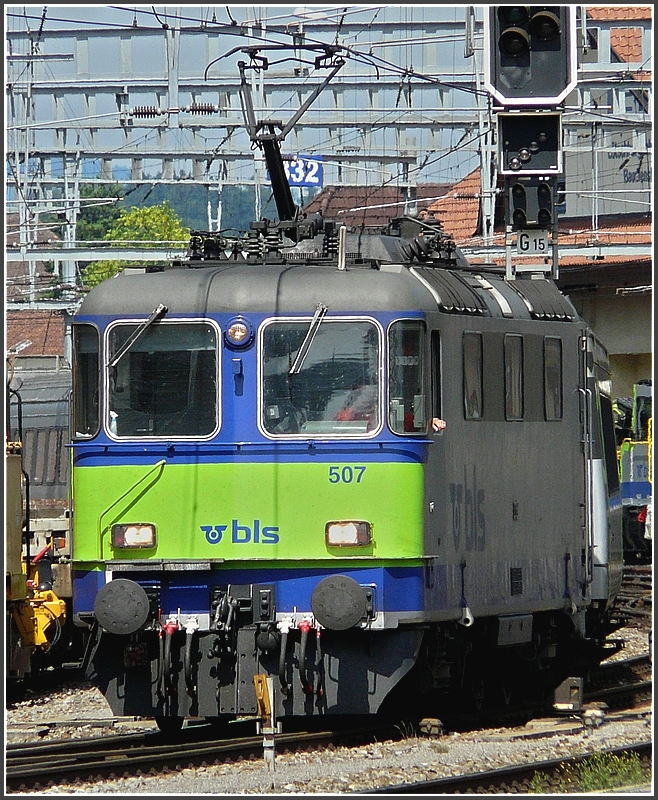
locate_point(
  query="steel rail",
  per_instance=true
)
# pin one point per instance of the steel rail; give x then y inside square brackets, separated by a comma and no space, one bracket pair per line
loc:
[39,764]
[502,779]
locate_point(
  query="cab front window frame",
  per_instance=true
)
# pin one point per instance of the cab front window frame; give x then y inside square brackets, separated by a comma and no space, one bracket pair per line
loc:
[337,389]
[407,379]
[165,386]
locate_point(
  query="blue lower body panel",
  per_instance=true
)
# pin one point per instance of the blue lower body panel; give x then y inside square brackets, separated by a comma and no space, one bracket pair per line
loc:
[396,589]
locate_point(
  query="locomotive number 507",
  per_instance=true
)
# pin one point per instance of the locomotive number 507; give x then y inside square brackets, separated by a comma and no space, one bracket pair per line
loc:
[346,474]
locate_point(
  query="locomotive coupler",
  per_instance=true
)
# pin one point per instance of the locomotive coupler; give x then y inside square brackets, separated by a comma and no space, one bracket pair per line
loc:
[224,623]
[268,638]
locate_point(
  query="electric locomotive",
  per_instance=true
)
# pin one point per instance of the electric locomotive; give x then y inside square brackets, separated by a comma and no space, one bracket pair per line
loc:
[260,496]
[257,488]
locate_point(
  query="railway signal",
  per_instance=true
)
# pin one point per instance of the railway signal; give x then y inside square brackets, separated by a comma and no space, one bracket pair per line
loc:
[530,54]
[529,143]
[531,202]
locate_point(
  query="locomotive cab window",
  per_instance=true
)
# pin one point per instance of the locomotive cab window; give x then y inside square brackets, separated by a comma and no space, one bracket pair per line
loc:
[86,383]
[553,378]
[472,357]
[165,383]
[407,412]
[330,388]
[435,349]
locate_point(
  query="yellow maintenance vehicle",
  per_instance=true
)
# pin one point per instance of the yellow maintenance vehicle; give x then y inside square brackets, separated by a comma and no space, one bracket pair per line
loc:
[35,615]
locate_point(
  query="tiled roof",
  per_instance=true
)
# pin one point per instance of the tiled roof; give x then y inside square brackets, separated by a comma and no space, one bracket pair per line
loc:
[45,329]
[619,13]
[368,205]
[572,233]
[627,44]
[459,210]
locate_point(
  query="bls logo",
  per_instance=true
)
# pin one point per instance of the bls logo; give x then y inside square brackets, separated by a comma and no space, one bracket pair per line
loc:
[241,534]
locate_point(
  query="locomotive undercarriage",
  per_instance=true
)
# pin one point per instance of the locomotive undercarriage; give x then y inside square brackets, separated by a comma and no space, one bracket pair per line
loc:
[172,670]
[209,674]
[465,671]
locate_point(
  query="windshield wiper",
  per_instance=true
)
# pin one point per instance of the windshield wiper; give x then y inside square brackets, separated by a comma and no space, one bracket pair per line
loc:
[313,328]
[137,333]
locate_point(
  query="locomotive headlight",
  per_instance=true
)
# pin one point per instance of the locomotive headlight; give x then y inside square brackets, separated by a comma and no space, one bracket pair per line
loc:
[239,332]
[138,535]
[348,533]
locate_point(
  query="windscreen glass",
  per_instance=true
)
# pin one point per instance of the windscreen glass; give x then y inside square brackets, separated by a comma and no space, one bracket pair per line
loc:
[333,390]
[165,384]
[407,394]
[86,381]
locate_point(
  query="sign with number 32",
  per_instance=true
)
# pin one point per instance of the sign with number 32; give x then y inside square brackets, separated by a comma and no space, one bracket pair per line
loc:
[304,170]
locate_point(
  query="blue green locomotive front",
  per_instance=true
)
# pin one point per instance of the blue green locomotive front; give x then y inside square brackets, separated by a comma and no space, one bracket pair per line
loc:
[258,491]
[238,489]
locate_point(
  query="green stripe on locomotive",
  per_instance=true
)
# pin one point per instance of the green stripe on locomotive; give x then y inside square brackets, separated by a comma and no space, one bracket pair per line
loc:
[218,511]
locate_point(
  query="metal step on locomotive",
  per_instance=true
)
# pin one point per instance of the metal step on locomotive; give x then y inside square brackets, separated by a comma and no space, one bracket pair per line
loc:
[259,488]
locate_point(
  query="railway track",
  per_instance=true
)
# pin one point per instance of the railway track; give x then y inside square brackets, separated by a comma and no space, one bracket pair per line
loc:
[621,684]
[512,780]
[634,600]
[39,765]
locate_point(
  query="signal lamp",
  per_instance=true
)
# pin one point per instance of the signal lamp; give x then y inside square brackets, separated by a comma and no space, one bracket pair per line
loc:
[545,26]
[513,15]
[239,333]
[348,533]
[545,201]
[514,42]
[138,535]
[519,218]
[544,191]
[544,217]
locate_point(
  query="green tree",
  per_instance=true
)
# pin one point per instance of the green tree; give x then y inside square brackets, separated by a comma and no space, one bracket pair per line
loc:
[96,219]
[149,225]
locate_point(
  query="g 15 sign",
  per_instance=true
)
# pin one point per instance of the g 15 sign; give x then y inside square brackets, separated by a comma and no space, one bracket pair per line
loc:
[304,170]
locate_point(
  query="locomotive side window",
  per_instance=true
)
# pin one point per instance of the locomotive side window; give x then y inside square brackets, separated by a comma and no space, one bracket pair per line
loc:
[166,382]
[86,381]
[406,377]
[472,354]
[513,377]
[552,377]
[336,389]
[436,374]
[609,444]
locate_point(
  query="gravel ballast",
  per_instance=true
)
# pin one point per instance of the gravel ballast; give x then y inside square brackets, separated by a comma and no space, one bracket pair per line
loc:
[334,770]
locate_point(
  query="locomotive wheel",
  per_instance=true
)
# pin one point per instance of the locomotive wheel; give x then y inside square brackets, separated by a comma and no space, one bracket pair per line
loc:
[169,725]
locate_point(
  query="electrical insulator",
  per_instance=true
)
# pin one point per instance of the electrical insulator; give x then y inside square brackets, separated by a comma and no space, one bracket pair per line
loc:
[203,108]
[146,111]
